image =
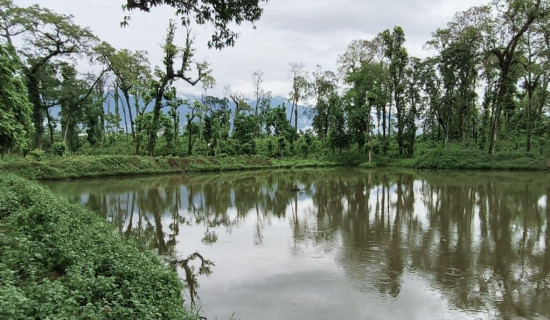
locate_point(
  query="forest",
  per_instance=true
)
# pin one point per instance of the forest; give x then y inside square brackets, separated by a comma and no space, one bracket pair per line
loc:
[476,244]
[483,89]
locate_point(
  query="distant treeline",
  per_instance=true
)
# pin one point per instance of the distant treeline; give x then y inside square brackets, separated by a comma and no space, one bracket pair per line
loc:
[484,88]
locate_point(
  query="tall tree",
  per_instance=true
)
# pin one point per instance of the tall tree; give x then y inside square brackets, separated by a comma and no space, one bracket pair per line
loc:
[364,67]
[195,110]
[414,100]
[457,62]
[514,19]
[257,81]
[368,89]
[322,86]
[299,89]
[165,77]
[398,57]
[130,69]
[15,109]
[534,62]
[339,138]
[432,87]
[47,36]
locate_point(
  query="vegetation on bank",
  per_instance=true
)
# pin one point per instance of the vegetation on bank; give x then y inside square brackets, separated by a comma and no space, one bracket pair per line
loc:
[101,166]
[114,165]
[61,261]
[469,159]
[484,86]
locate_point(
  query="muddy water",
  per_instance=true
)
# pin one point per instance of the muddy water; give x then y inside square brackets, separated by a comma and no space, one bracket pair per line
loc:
[342,243]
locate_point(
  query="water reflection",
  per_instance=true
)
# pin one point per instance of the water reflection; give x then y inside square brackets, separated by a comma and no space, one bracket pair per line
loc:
[474,244]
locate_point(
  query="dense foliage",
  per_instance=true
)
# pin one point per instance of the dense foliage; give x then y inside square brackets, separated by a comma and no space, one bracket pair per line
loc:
[61,261]
[484,88]
[220,14]
[100,166]
[15,109]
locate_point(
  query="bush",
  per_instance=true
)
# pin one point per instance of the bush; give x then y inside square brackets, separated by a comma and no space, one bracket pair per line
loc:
[61,261]
[36,154]
[59,148]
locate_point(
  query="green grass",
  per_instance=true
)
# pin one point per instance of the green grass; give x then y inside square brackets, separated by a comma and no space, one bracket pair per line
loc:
[462,158]
[475,159]
[100,166]
[60,261]
[113,165]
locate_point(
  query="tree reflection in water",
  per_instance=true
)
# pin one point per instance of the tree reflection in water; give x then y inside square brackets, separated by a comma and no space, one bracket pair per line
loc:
[480,239]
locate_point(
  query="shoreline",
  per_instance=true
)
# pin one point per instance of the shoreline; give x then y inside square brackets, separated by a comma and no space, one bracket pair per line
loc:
[77,167]
[113,166]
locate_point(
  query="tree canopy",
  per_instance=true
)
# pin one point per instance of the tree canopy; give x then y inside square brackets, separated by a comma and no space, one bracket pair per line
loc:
[220,14]
[15,109]
[483,87]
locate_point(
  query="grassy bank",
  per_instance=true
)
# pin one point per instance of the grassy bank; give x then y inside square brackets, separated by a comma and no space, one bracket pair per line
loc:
[109,165]
[463,159]
[100,166]
[60,261]
[474,160]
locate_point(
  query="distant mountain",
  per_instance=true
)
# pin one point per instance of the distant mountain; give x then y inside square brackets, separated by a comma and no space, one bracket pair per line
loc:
[304,122]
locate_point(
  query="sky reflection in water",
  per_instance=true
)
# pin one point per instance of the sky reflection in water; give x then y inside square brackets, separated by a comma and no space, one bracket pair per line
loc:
[350,244]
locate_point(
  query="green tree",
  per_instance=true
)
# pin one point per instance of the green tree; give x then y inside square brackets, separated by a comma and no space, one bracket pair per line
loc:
[535,64]
[164,78]
[339,138]
[93,110]
[196,110]
[245,131]
[278,125]
[414,99]
[398,57]
[514,19]
[364,67]
[323,85]
[15,120]
[216,122]
[457,65]
[46,36]
[131,69]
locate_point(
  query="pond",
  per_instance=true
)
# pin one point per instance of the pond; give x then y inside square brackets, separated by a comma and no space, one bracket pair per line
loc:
[342,243]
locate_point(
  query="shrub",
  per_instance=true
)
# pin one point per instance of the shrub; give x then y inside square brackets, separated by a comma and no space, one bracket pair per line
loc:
[36,154]
[61,261]
[59,148]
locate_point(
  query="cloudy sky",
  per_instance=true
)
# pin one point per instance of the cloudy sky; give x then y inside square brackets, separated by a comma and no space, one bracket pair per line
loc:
[312,32]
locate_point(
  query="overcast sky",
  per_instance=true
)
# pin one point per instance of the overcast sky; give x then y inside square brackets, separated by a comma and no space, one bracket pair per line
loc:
[312,32]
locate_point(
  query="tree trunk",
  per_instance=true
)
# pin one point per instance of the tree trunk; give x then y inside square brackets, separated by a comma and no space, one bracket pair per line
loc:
[65,132]
[125,121]
[529,108]
[447,128]
[127,98]
[50,126]
[493,133]
[399,124]
[384,148]
[189,138]
[325,133]
[296,116]
[154,125]
[389,122]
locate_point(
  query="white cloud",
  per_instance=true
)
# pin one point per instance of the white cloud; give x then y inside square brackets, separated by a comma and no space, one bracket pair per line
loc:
[307,31]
